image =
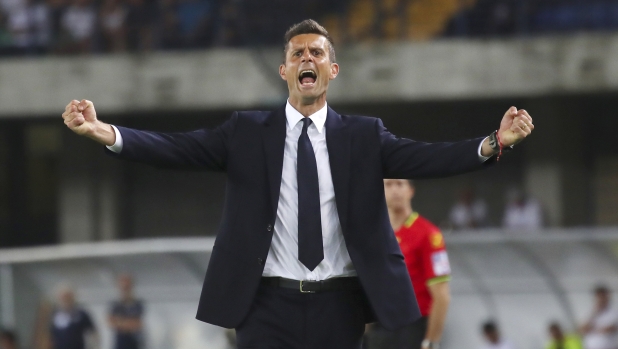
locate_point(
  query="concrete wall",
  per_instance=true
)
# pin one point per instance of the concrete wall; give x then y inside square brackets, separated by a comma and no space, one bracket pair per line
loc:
[371,73]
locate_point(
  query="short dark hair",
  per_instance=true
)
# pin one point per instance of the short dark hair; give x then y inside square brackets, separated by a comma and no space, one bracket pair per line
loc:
[309,26]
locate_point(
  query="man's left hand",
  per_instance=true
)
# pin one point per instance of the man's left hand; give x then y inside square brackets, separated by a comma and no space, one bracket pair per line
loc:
[515,126]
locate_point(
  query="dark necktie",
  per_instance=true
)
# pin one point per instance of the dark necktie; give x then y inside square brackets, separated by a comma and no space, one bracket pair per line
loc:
[310,250]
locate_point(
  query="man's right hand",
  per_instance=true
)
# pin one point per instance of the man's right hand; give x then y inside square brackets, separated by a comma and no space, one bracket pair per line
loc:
[81,118]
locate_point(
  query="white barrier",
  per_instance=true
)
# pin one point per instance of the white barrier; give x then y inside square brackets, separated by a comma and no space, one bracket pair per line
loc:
[521,279]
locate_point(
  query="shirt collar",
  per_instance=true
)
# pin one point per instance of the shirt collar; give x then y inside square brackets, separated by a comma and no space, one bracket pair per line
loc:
[293,116]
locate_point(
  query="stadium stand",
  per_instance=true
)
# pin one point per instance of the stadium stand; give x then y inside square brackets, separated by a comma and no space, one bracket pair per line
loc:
[103,26]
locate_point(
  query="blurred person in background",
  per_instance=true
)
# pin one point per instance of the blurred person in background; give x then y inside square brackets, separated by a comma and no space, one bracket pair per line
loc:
[601,329]
[140,19]
[425,256]
[71,325]
[8,340]
[493,337]
[559,340]
[196,22]
[58,37]
[113,15]
[40,26]
[281,272]
[522,212]
[469,212]
[125,316]
[79,22]
[230,32]
[5,36]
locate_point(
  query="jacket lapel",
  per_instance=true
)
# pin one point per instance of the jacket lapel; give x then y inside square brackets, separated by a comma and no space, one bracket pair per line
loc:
[338,143]
[274,142]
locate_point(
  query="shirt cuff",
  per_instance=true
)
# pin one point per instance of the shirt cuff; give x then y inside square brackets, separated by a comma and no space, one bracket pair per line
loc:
[117,147]
[481,157]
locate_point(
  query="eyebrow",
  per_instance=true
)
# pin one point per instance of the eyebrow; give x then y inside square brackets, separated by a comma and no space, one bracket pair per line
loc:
[296,49]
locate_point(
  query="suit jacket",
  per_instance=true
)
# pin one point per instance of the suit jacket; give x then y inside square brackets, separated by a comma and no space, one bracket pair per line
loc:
[249,148]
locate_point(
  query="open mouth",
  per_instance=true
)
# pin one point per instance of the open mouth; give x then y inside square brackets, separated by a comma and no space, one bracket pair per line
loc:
[307,77]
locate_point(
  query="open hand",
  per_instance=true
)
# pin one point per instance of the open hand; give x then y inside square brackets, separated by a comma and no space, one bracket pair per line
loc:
[515,126]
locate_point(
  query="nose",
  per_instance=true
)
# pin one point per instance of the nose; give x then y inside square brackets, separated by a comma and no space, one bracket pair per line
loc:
[306,57]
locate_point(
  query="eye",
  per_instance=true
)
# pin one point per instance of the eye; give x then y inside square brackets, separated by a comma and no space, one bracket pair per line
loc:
[317,53]
[296,54]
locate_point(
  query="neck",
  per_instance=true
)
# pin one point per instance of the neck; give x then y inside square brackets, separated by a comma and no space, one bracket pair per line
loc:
[398,217]
[308,107]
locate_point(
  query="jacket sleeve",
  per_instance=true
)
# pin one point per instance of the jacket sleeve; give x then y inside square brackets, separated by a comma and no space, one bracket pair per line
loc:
[405,158]
[201,149]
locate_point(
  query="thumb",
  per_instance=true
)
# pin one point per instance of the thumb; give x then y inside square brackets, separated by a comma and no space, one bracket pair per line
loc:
[513,111]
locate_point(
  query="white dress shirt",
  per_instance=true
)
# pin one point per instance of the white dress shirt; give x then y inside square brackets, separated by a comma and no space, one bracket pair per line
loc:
[283,254]
[282,257]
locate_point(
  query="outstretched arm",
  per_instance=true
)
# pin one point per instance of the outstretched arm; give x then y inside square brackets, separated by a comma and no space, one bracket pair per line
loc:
[405,158]
[201,149]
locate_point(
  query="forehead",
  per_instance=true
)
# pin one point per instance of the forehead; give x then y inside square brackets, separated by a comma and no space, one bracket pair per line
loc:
[308,40]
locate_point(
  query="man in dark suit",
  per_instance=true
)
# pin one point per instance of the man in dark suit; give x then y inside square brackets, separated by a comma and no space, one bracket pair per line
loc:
[314,256]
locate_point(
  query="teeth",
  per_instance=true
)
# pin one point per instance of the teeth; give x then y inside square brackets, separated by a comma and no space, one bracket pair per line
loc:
[307,71]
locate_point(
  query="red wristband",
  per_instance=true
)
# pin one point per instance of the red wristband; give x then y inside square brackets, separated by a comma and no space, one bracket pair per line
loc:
[500,144]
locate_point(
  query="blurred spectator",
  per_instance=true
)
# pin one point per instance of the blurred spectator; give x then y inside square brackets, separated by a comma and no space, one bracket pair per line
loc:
[125,316]
[40,26]
[71,326]
[113,16]
[58,36]
[601,329]
[469,212]
[561,341]
[79,23]
[493,338]
[522,212]
[502,20]
[141,17]
[8,340]
[195,19]
[170,37]
[5,36]
[230,28]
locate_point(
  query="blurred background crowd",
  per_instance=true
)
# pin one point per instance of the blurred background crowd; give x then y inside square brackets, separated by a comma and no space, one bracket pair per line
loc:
[38,27]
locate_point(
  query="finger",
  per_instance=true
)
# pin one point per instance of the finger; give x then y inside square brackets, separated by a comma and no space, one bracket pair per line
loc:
[84,104]
[520,132]
[70,117]
[523,113]
[512,112]
[76,122]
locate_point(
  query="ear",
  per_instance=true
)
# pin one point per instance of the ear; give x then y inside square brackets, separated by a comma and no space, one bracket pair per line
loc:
[282,72]
[334,70]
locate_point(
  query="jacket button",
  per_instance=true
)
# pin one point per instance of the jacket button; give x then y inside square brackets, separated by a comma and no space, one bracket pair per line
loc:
[269,227]
[260,261]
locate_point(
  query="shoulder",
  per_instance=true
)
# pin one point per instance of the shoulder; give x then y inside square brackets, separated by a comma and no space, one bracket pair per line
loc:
[432,233]
[360,120]
[426,226]
[257,116]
